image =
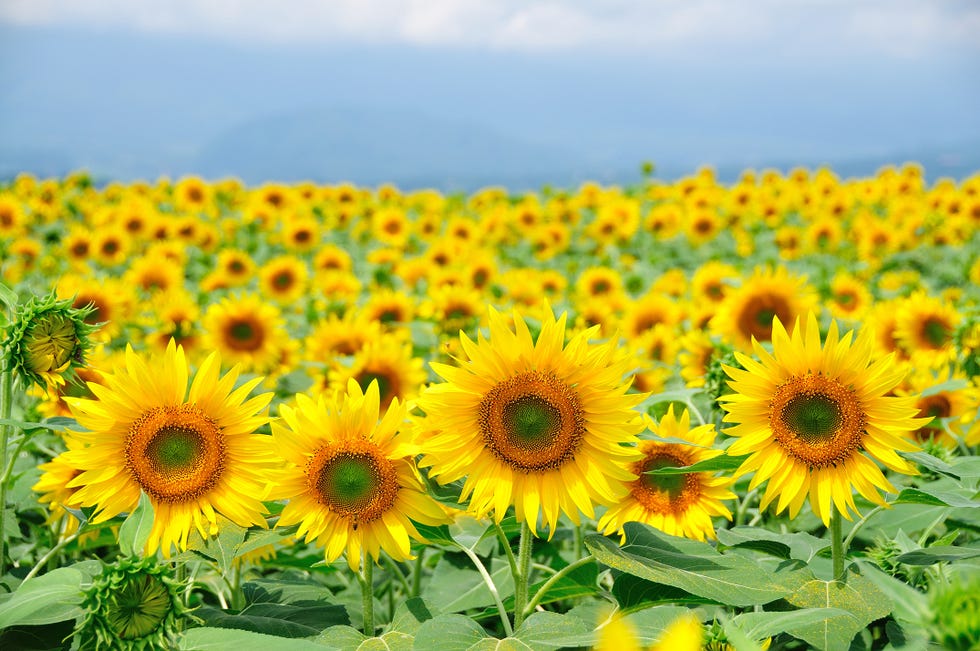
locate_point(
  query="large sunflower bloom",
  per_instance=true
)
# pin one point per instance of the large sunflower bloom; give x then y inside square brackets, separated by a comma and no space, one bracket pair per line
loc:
[539,424]
[815,418]
[193,453]
[680,505]
[349,477]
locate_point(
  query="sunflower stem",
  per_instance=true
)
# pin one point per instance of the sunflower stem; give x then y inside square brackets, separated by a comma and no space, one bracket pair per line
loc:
[491,586]
[522,578]
[51,552]
[366,577]
[555,578]
[858,525]
[507,549]
[837,543]
[417,575]
[6,403]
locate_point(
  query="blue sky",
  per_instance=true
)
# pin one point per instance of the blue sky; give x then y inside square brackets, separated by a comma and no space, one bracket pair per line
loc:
[502,90]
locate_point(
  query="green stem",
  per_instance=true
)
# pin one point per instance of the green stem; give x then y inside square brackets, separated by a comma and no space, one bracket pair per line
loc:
[505,543]
[944,513]
[491,586]
[54,550]
[397,571]
[579,548]
[837,543]
[555,578]
[366,577]
[858,525]
[743,507]
[523,576]
[417,575]
[6,404]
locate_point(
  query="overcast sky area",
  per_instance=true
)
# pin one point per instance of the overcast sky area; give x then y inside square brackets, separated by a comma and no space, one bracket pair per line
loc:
[496,89]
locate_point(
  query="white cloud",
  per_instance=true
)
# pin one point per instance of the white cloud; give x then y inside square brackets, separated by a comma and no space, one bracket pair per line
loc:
[893,27]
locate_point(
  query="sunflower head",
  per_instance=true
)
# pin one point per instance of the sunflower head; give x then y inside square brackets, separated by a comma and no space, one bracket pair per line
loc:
[47,341]
[134,605]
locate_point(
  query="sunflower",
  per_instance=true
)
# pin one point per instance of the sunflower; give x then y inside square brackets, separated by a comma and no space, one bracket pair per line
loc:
[110,299]
[391,226]
[301,234]
[110,246]
[235,266]
[815,418]
[695,357]
[77,245]
[245,331]
[349,476]
[949,409]
[154,274]
[194,453]
[924,326]
[648,311]
[389,307]
[11,215]
[54,491]
[702,226]
[538,424]
[747,312]
[679,505]
[453,308]
[283,278]
[332,258]
[192,194]
[849,297]
[336,336]
[711,281]
[387,361]
[601,282]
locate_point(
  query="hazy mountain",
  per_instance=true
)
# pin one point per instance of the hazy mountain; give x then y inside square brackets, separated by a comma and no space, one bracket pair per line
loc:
[127,106]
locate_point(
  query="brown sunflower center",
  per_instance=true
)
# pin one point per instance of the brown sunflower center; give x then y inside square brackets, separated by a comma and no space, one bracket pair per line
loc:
[816,419]
[244,334]
[532,422]
[387,383]
[665,493]
[755,319]
[283,280]
[935,407]
[176,453]
[354,480]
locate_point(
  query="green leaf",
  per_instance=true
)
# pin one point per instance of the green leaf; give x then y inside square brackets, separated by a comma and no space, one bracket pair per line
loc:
[438,536]
[937,554]
[932,463]
[9,297]
[450,633]
[580,582]
[801,546]
[906,638]
[950,386]
[633,593]
[695,567]
[542,629]
[410,615]
[456,585]
[46,599]
[908,604]
[223,639]
[473,534]
[649,623]
[934,497]
[758,626]
[721,462]
[342,637]
[282,620]
[966,467]
[135,529]
[857,595]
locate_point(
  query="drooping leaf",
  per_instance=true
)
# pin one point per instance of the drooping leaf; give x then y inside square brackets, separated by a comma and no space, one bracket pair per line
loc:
[801,546]
[135,529]
[856,595]
[695,567]
[721,462]
[223,639]
[52,597]
[930,555]
[934,497]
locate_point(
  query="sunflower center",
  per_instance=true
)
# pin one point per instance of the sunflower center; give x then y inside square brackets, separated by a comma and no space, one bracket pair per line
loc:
[387,386]
[354,480]
[665,493]
[140,606]
[814,418]
[818,420]
[936,332]
[532,422]
[244,334]
[755,318]
[176,453]
[283,280]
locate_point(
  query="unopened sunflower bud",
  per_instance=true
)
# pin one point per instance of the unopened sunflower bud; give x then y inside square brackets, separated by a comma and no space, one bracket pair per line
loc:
[46,341]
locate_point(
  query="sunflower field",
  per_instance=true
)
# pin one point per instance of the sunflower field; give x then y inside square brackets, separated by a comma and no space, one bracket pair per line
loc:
[674,415]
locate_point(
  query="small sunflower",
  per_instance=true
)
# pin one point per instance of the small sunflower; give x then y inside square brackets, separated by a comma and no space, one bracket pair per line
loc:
[815,418]
[246,331]
[193,453]
[679,505]
[283,278]
[849,297]
[349,477]
[535,423]
[387,361]
[925,326]
[747,312]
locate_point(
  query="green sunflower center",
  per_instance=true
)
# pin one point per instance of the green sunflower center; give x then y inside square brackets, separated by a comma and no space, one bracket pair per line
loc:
[175,449]
[814,418]
[141,605]
[764,317]
[385,385]
[241,330]
[350,482]
[531,422]
[244,334]
[354,480]
[283,280]
[936,332]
